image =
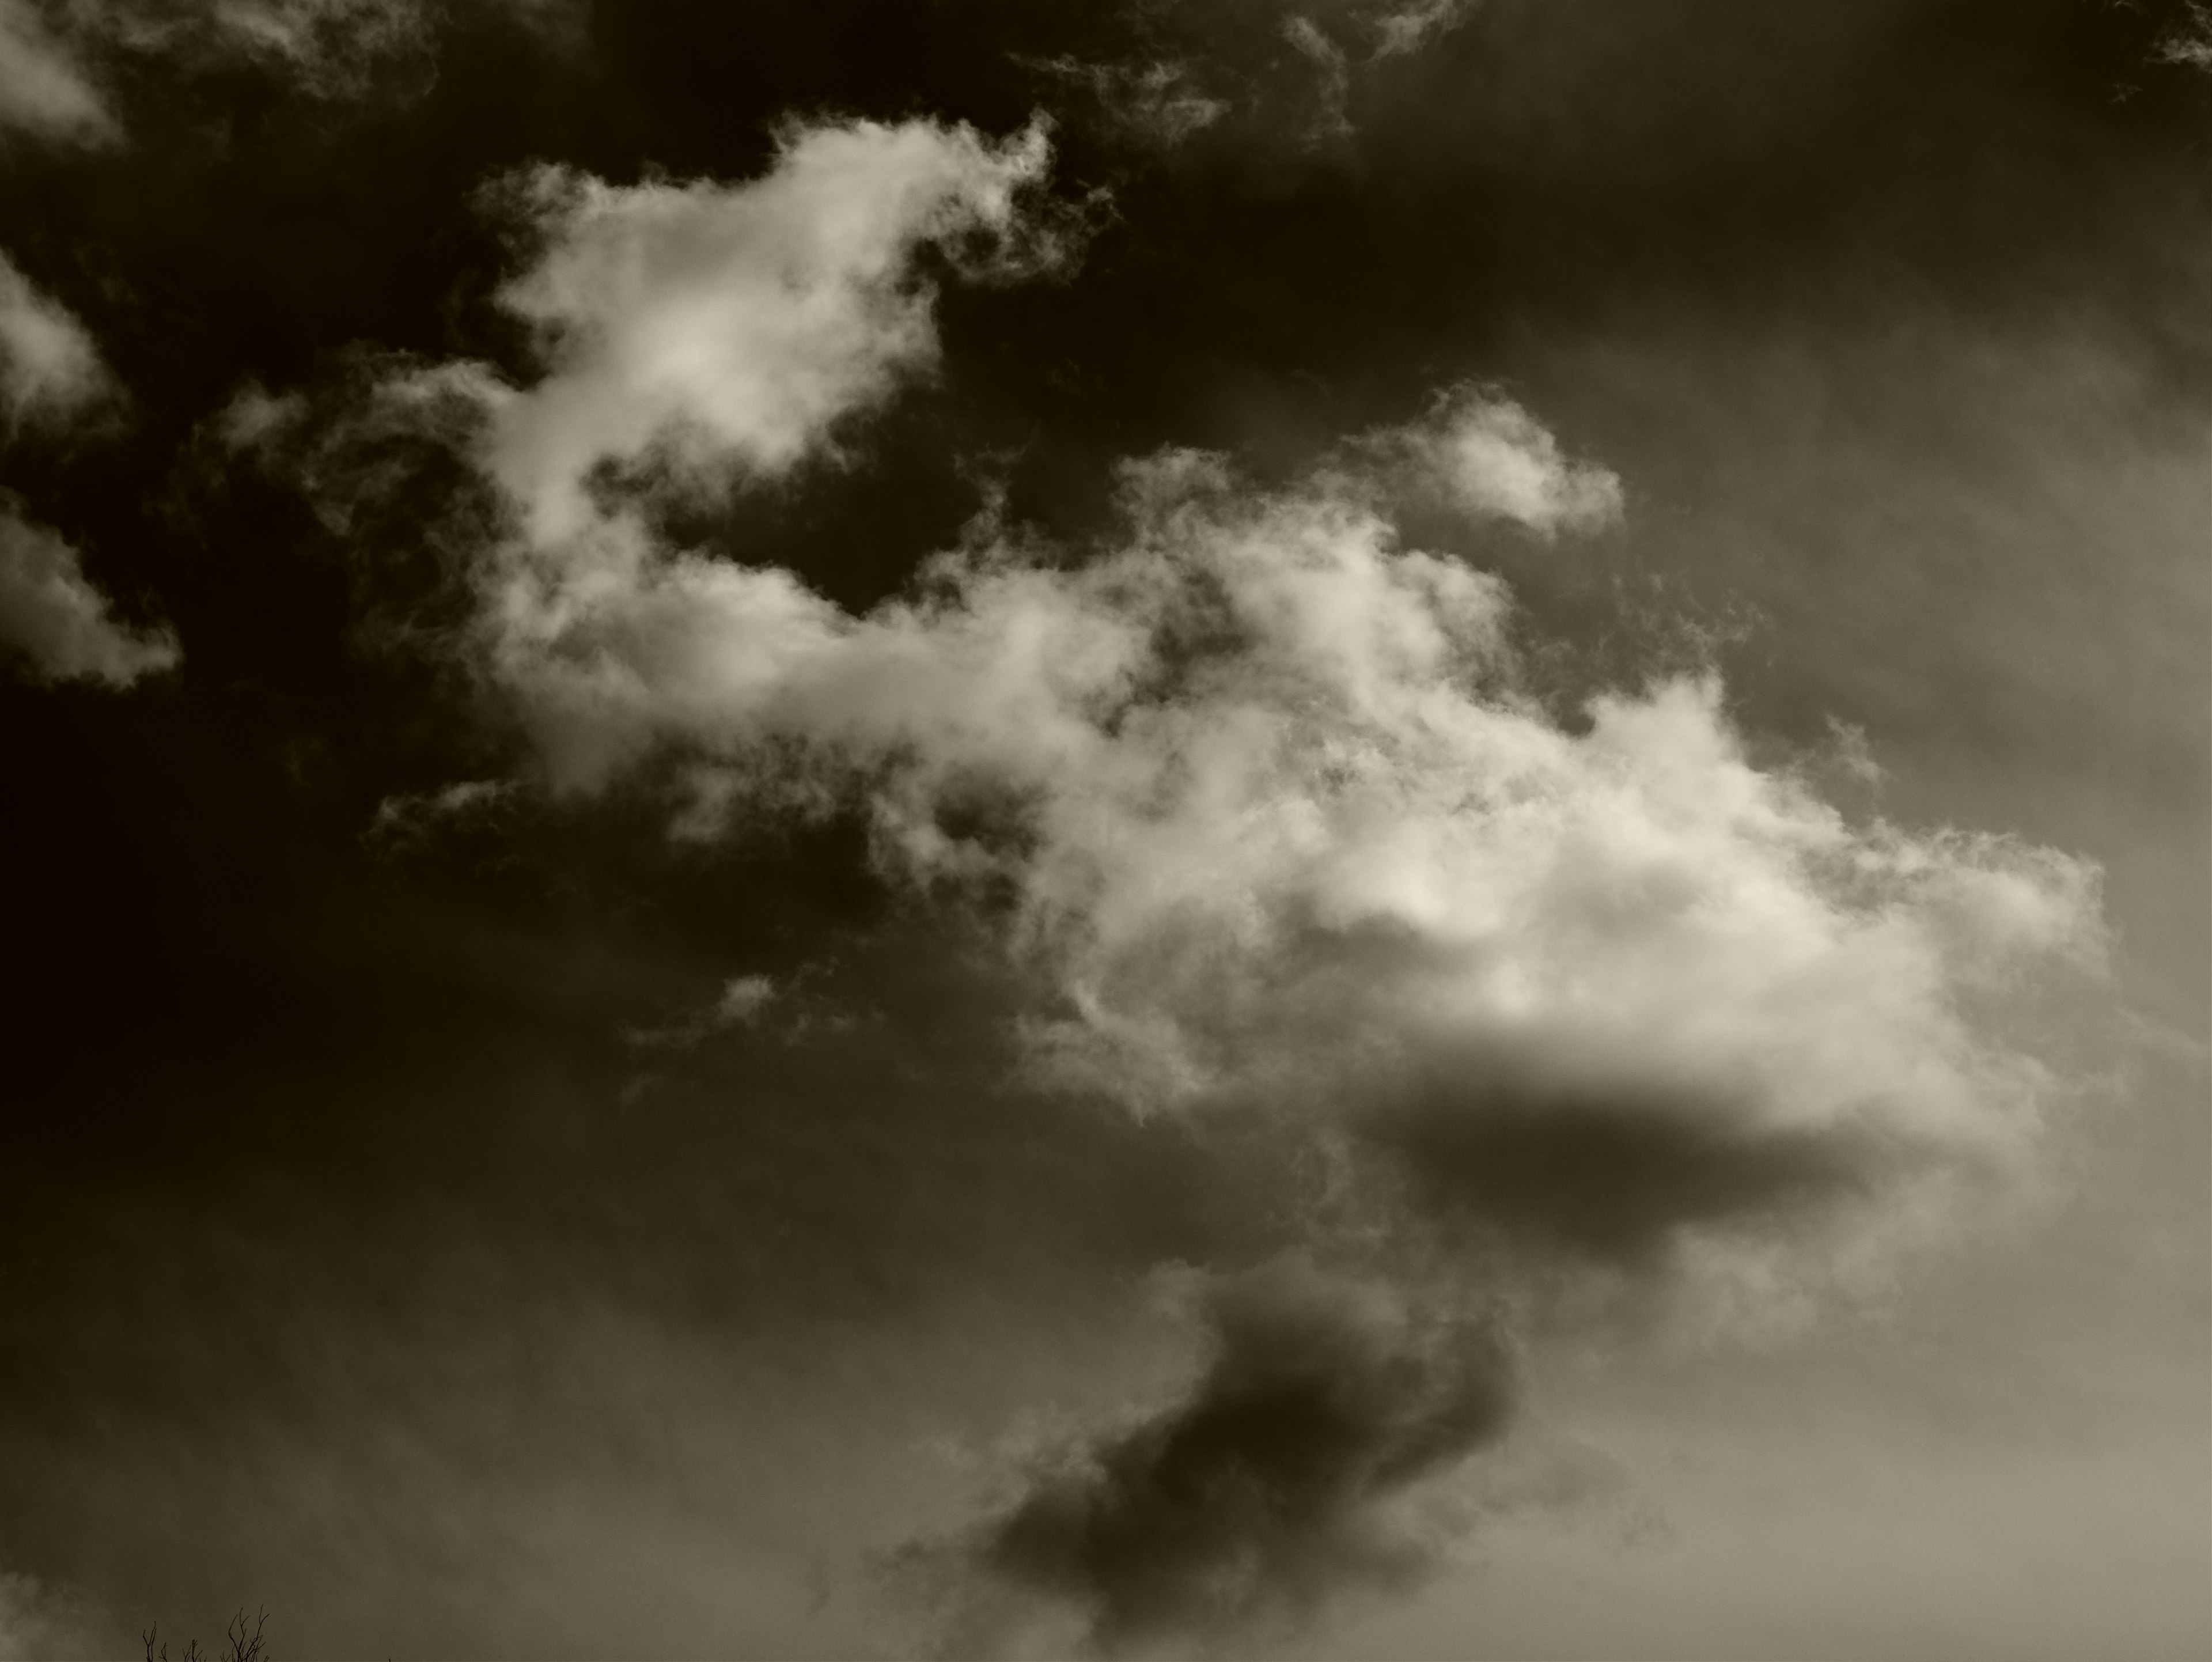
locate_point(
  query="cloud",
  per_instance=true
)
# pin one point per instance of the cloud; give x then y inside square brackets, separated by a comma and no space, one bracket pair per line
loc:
[406,819]
[43,88]
[49,366]
[1270,1488]
[327,49]
[1281,820]
[1408,28]
[1156,102]
[51,616]
[739,1004]
[1489,458]
[2187,43]
[1336,73]
[1254,798]
[1282,825]
[39,1620]
[724,329]
[1258,800]
[256,419]
[1604,1176]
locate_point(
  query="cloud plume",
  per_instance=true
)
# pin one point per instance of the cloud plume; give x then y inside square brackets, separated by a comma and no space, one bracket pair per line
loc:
[1269,1488]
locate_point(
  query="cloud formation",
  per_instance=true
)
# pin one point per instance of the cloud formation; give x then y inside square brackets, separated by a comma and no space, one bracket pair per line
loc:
[44,89]
[1258,800]
[49,366]
[1265,1491]
[1571,998]
[720,331]
[1408,28]
[1486,456]
[56,622]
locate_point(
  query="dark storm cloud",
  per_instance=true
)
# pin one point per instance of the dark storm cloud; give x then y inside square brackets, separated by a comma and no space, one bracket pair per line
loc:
[1610,1176]
[1263,1492]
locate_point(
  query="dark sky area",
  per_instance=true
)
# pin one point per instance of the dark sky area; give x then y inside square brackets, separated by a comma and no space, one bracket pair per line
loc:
[477,1202]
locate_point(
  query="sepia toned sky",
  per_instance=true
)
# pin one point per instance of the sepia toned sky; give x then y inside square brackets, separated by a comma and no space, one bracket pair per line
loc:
[1200,827]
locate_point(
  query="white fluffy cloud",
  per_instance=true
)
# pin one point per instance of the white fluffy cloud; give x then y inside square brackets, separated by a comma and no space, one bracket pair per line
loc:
[57,621]
[1486,456]
[1279,821]
[1281,827]
[724,328]
[1274,805]
[49,366]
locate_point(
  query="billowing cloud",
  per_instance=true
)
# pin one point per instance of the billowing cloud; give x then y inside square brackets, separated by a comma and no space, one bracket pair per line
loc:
[56,622]
[49,366]
[1280,828]
[724,329]
[44,89]
[1282,825]
[1273,1485]
[1258,800]
[1485,455]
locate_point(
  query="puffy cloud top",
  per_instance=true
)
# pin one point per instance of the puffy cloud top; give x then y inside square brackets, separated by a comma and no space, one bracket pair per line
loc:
[1279,821]
[1489,458]
[723,327]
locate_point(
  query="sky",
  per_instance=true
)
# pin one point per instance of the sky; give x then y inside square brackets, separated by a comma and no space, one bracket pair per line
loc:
[1372,829]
